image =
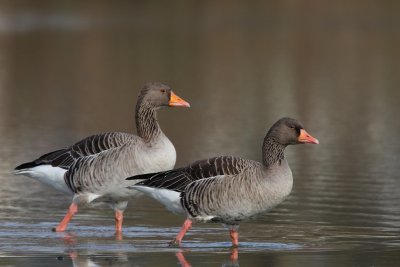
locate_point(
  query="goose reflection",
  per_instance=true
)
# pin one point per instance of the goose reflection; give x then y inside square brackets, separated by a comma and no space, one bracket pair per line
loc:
[233,259]
[85,260]
[82,261]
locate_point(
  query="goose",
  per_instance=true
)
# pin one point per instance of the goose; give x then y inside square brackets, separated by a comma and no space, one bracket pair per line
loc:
[228,189]
[96,167]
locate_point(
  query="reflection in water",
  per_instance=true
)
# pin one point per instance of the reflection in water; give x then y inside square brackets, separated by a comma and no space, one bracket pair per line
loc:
[233,260]
[81,261]
[118,259]
[118,236]
[182,260]
[68,239]
[121,259]
[86,258]
[83,258]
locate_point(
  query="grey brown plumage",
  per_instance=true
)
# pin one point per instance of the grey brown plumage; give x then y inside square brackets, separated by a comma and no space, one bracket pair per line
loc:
[229,189]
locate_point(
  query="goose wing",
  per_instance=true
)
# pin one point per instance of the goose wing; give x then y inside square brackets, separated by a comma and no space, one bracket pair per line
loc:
[178,179]
[91,145]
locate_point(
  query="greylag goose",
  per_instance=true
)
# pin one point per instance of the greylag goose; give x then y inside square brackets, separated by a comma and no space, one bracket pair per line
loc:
[228,189]
[96,167]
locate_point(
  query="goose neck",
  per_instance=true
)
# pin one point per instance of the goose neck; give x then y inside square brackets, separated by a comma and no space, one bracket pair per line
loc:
[146,122]
[273,152]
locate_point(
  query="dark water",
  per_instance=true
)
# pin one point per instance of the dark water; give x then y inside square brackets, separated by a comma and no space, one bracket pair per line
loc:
[71,69]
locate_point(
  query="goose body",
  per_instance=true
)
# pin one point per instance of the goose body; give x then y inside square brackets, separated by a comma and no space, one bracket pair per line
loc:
[229,189]
[96,167]
[95,175]
[207,199]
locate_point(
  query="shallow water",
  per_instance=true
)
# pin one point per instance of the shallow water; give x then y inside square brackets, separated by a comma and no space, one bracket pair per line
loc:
[68,71]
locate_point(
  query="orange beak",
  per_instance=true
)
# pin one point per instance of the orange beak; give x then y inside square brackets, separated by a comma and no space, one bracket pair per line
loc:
[176,101]
[307,138]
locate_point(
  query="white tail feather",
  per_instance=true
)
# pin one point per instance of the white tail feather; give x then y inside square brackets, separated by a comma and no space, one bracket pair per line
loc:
[47,174]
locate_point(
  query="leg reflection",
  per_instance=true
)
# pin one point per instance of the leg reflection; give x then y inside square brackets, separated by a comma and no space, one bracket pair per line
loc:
[118,236]
[68,239]
[234,257]
[183,262]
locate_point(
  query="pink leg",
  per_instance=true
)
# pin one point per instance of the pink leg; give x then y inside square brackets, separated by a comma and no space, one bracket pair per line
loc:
[73,208]
[234,237]
[185,227]
[119,216]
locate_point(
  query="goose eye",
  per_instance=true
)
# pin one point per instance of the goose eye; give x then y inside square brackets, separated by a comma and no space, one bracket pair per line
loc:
[162,90]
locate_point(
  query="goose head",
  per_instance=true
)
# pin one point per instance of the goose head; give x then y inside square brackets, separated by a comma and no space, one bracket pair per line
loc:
[158,95]
[288,131]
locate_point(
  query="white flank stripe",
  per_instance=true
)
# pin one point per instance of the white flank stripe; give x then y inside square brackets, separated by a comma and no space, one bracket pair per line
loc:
[169,198]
